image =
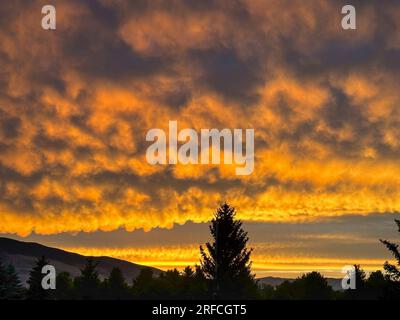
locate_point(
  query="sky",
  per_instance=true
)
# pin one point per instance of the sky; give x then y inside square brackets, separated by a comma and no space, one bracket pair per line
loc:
[76,104]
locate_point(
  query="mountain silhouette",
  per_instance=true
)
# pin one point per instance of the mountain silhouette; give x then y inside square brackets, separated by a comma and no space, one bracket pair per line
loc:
[23,255]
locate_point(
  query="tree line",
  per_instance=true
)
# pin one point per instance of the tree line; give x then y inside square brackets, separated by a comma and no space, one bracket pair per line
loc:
[224,273]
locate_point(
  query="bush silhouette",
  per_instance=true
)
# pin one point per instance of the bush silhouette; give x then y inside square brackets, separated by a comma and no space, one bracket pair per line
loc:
[309,286]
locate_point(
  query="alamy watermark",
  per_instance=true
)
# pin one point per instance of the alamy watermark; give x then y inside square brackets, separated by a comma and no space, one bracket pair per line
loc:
[49,280]
[348,21]
[349,280]
[196,147]
[49,20]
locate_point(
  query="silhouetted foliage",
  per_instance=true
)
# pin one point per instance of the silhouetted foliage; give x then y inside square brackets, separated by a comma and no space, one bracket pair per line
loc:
[310,286]
[376,286]
[224,273]
[226,261]
[267,292]
[3,279]
[115,285]
[10,286]
[359,293]
[194,284]
[171,284]
[144,285]
[88,283]
[64,287]
[392,270]
[35,290]
[313,286]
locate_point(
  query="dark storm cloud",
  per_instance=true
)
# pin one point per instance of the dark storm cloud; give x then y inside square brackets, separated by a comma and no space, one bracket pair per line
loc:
[225,73]
[110,57]
[10,126]
[76,103]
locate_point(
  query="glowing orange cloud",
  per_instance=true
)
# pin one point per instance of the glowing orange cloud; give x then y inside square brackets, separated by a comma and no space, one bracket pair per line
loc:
[75,106]
[169,257]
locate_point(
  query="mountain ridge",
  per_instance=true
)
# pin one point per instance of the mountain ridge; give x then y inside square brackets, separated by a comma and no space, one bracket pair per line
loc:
[23,255]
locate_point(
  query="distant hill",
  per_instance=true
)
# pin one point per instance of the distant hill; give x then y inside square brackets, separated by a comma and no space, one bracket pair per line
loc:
[336,284]
[23,255]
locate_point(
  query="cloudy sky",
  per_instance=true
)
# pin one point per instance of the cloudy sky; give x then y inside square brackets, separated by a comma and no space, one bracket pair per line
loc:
[76,104]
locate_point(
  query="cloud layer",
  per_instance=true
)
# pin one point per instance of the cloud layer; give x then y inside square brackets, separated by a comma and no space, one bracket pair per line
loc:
[76,103]
[280,249]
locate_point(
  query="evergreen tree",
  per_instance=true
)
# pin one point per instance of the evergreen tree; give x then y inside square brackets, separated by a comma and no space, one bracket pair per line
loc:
[376,286]
[36,291]
[144,286]
[170,284]
[115,284]
[88,283]
[188,273]
[360,292]
[3,281]
[200,284]
[65,287]
[226,261]
[10,286]
[391,269]
[187,283]
[13,284]
[361,277]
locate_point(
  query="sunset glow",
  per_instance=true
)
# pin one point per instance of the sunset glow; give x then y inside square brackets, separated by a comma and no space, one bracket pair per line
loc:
[76,104]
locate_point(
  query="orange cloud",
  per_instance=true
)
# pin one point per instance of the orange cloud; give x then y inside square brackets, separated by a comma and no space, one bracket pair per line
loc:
[168,257]
[75,106]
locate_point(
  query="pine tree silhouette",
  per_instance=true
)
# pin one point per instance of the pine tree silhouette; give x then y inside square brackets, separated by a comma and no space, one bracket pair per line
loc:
[3,280]
[169,284]
[144,285]
[359,293]
[187,280]
[116,286]
[226,261]
[65,287]
[391,269]
[88,283]
[194,284]
[199,284]
[13,284]
[376,286]
[36,291]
